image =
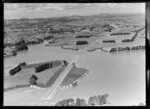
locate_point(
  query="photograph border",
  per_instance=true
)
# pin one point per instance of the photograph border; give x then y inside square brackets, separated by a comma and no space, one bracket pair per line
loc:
[147,41]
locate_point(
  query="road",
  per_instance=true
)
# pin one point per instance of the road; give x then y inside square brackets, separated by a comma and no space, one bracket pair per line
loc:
[53,89]
[60,79]
[113,25]
[136,33]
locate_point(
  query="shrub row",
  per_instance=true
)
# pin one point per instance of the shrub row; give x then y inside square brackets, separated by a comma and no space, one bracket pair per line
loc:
[48,37]
[83,36]
[72,102]
[127,40]
[109,41]
[138,47]
[81,42]
[127,48]
[21,47]
[43,67]
[120,34]
[38,41]
[93,100]
[50,65]
[17,69]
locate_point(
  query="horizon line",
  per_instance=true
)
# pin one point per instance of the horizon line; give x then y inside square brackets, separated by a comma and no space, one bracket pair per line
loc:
[72,16]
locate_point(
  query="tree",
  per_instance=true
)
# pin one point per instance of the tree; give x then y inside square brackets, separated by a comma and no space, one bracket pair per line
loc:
[103,99]
[14,52]
[66,102]
[58,103]
[70,101]
[63,102]
[91,101]
[99,98]
[78,102]
[95,99]
[82,102]
[33,80]
[20,42]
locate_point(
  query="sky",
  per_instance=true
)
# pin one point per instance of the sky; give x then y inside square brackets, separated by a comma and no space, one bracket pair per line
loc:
[47,10]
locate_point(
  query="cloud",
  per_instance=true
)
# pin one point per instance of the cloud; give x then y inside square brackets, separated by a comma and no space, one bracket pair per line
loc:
[62,6]
[77,5]
[8,6]
[43,6]
[15,10]
[111,5]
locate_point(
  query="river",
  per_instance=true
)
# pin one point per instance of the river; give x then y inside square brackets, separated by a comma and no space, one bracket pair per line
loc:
[121,75]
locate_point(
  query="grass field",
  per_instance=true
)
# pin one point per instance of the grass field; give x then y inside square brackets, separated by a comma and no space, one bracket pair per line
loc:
[45,78]
[73,75]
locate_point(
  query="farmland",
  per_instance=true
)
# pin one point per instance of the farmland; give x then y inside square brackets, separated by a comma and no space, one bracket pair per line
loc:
[63,30]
